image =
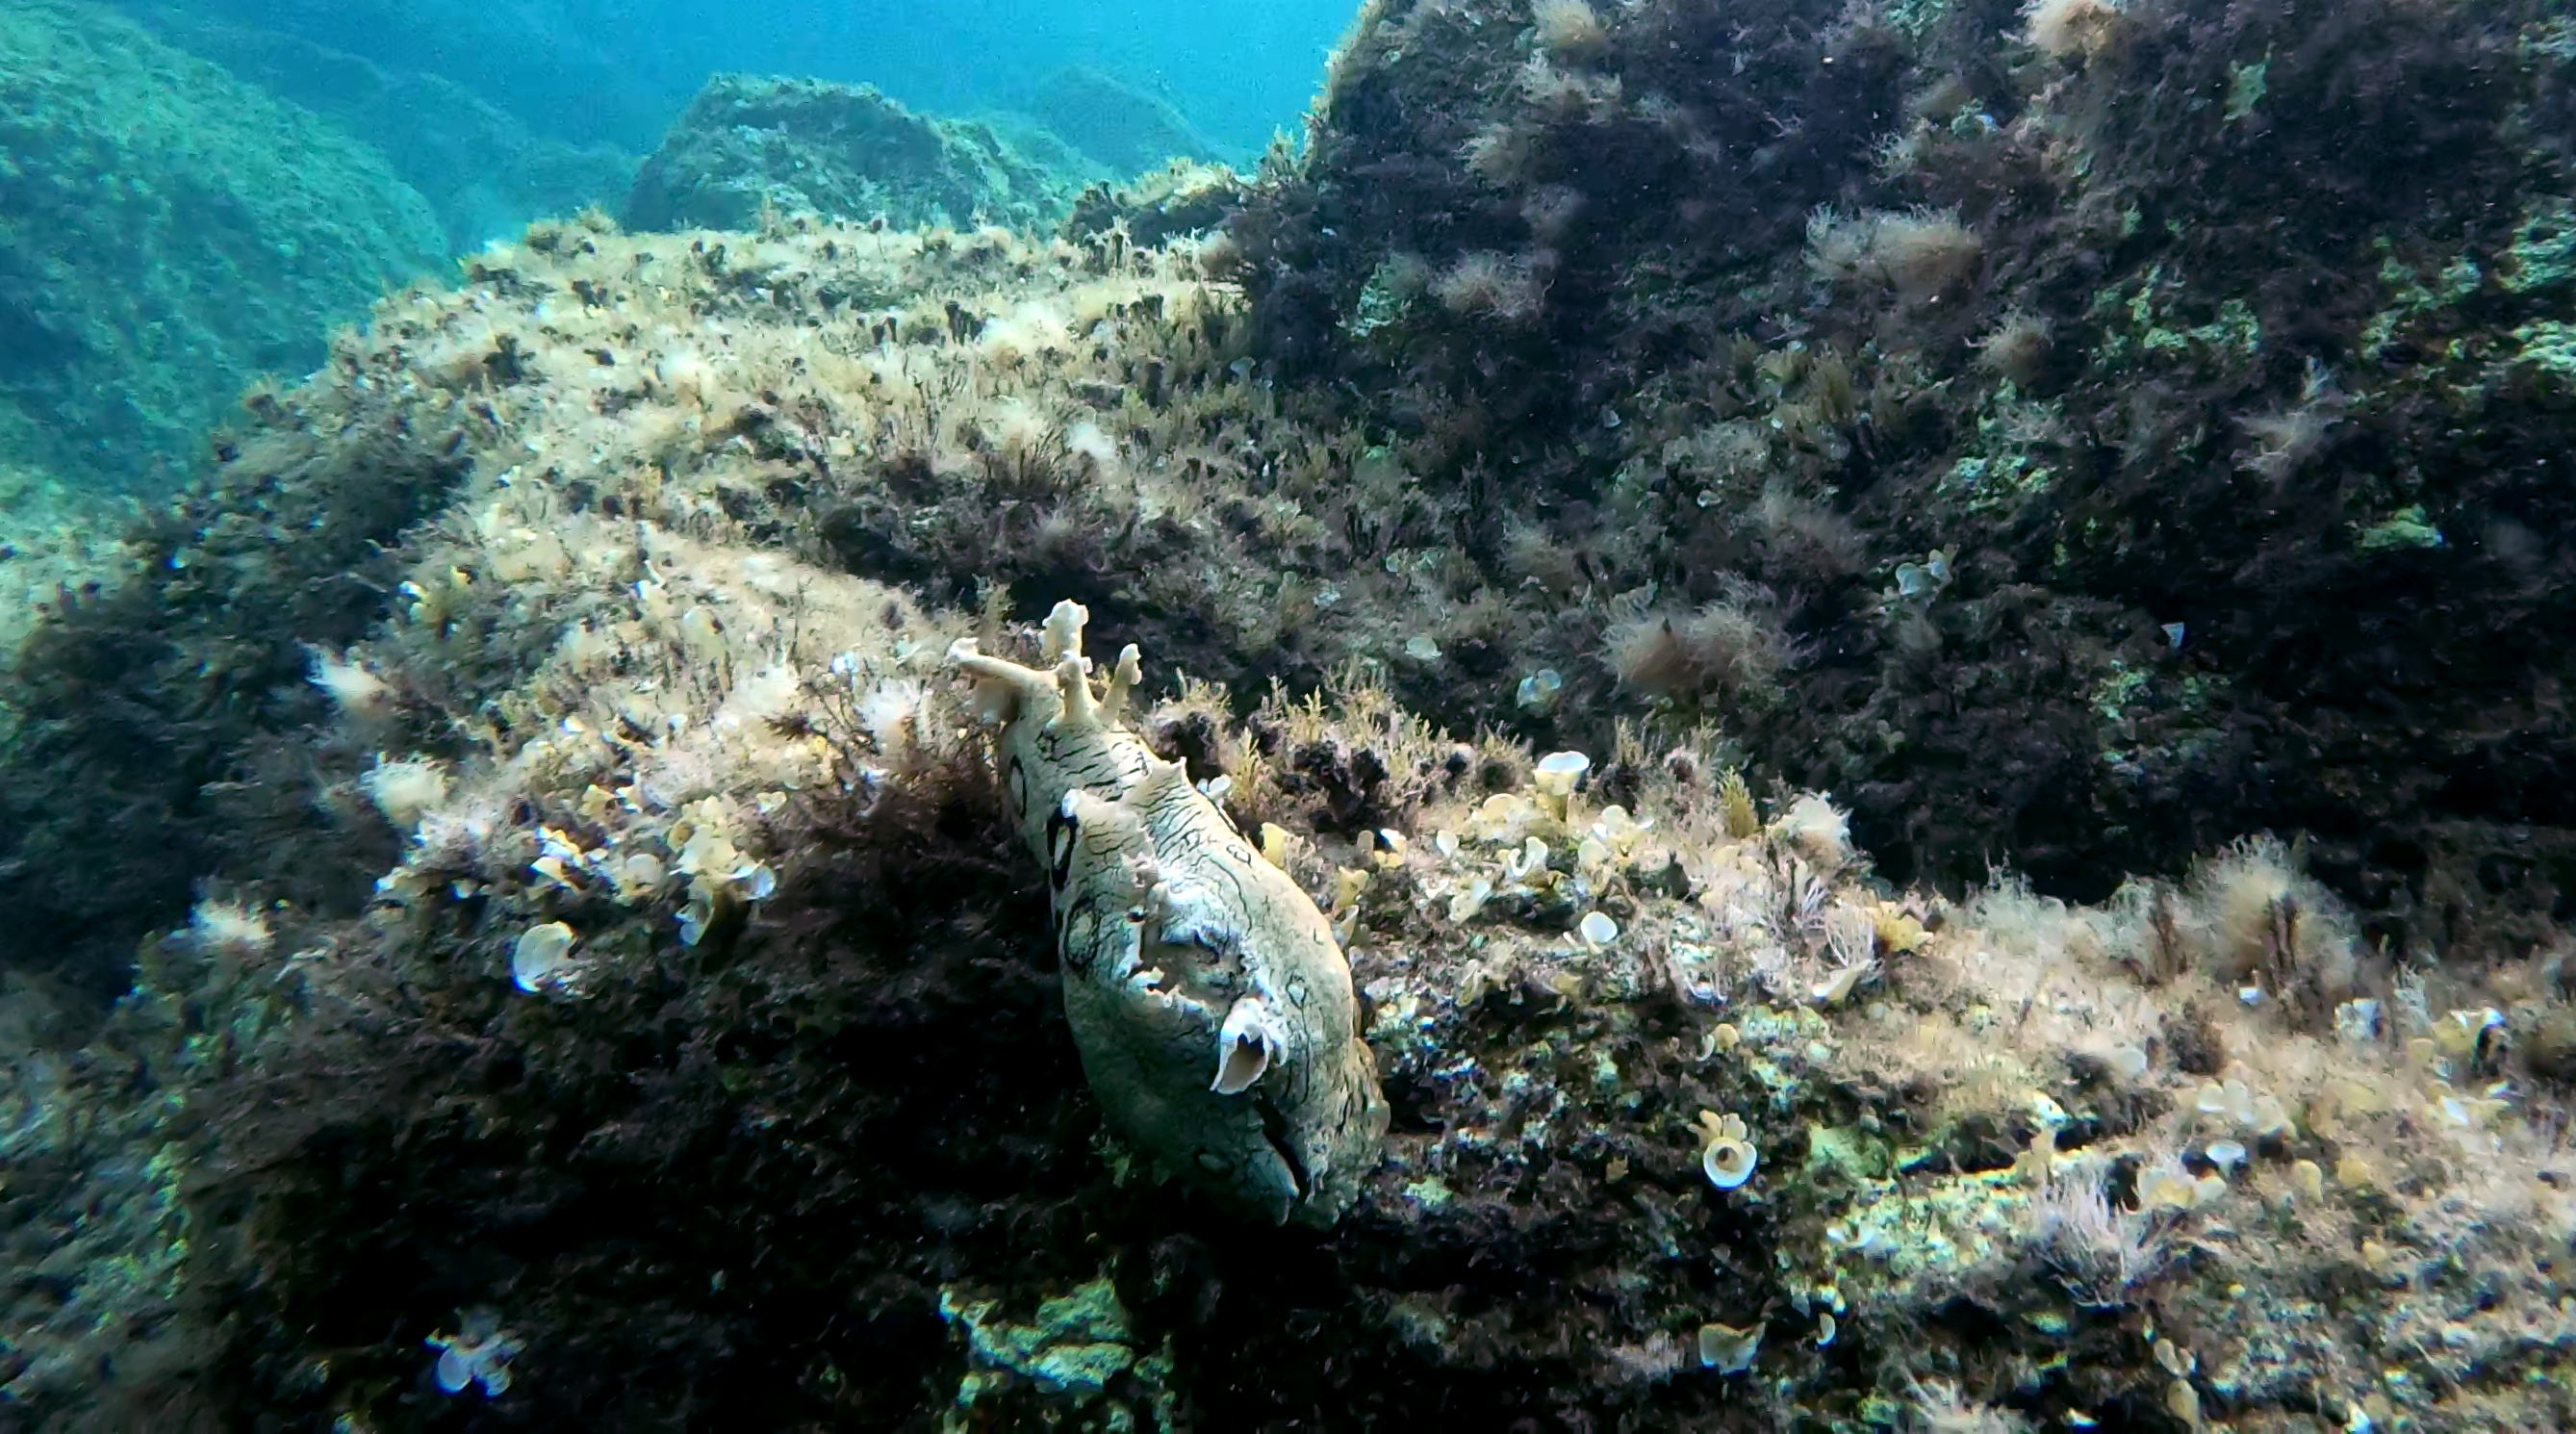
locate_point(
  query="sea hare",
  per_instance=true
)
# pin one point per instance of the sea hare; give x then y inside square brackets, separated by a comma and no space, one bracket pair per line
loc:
[1212,1007]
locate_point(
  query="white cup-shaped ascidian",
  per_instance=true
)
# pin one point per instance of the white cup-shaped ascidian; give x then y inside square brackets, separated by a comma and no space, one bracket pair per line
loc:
[1596,931]
[1727,1154]
[1728,1350]
[542,958]
[1539,691]
[478,1355]
[1557,775]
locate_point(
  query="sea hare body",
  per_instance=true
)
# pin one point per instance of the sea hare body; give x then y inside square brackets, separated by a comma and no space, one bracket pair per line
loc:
[1211,1004]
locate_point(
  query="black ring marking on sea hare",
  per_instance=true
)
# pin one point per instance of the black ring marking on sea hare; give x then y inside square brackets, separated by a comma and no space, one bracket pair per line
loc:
[1078,956]
[1018,783]
[1059,839]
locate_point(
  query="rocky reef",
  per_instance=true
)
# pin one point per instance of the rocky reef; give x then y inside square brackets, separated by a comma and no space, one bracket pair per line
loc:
[1123,129]
[2067,436]
[168,234]
[55,538]
[483,171]
[553,65]
[750,144]
[591,971]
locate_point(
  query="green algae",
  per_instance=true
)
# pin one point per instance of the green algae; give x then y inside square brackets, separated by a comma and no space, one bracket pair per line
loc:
[2549,347]
[2413,294]
[2543,252]
[1380,304]
[2246,84]
[2147,302]
[2405,528]
[751,146]
[1072,1350]
[2118,689]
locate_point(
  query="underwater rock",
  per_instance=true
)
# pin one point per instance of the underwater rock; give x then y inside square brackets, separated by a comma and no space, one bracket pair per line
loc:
[1073,1349]
[558,69]
[1211,1002]
[482,169]
[55,538]
[1160,204]
[609,595]
[171,234]
[2150,316]
[750,144]
[1124,129]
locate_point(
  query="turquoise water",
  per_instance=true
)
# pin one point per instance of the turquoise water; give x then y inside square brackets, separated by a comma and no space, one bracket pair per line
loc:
[616,71]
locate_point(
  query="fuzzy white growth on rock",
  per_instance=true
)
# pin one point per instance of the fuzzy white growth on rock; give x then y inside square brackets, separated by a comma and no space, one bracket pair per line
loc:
[355,689]
[229,928]
[405,791]
[1816,829]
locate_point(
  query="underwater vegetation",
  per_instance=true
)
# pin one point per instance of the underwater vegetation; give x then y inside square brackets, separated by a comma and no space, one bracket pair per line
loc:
[749,143]
[1910,654]
[164,231]
[558,70]
[2206,347]
[481,169]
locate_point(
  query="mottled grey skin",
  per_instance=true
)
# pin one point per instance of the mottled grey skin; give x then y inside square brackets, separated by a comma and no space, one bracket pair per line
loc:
[1211,1004]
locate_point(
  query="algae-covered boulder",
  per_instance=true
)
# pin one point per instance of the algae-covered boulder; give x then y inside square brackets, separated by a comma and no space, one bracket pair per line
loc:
[1126,129]
[2079,447]
[1182,197]
[560,68]
[484,171]
[56,538]
[166,233]
[750,143]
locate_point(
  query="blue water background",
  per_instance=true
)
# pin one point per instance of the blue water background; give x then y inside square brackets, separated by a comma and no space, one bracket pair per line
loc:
[617,71]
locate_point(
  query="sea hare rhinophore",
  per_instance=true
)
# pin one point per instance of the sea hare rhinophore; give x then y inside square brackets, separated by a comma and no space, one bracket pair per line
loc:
[1212,1006]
